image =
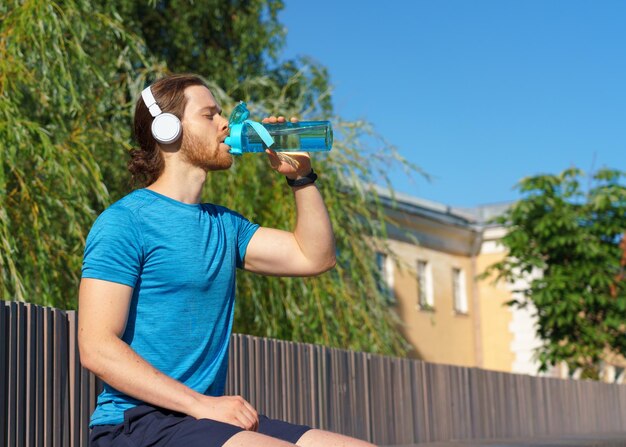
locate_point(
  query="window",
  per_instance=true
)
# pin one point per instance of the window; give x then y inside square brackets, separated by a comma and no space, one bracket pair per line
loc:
[459,291]
[385,271]
[425,296]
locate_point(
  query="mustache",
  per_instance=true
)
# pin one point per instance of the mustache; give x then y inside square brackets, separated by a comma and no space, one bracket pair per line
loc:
[222,136]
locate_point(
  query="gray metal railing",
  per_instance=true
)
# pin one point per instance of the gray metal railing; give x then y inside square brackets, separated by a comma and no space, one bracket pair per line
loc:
[47,397]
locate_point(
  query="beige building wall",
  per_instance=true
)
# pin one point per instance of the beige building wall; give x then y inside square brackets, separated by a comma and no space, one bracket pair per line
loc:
[440,335]
[490,334]
[495,317]
[448,239]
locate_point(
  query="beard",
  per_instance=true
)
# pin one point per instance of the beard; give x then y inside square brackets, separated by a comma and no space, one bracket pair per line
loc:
[200,153]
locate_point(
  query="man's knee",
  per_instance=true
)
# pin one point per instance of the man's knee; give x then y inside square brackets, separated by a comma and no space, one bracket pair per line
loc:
[252,438]
[319,438]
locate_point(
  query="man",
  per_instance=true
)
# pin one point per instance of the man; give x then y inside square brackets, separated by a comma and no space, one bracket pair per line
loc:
[156,298]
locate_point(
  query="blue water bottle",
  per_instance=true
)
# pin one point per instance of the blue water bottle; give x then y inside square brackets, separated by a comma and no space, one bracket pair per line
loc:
[251,136]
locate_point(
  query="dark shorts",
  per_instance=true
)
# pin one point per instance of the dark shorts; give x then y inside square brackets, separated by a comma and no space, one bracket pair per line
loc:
[153,426]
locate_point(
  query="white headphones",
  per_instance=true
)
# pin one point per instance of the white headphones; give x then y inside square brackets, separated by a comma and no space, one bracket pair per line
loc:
[166,127]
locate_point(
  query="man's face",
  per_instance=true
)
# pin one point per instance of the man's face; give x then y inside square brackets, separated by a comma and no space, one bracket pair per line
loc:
[204,131]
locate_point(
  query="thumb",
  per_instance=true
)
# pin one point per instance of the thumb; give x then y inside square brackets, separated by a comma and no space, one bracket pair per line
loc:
[273,158]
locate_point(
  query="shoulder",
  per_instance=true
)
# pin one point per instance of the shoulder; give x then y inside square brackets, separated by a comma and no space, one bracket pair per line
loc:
[122,216]
[116,215]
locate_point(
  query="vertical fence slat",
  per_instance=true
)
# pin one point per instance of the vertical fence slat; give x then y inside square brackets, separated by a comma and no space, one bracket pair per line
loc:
[304,402]
[375,416]
[20,419]
[12,376]
[40,410]
[48,393]
[31,375]
[84,406]
[315,404]
[4,370]
[64,359]
[74,381]
[57,369]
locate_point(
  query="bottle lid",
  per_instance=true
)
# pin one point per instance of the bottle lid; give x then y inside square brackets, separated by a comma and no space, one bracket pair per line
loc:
[236,122]
[239,114]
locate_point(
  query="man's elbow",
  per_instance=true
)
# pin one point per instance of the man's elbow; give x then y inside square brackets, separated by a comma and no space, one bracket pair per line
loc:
[91,356]
[332,262]
[87,354]
[324,266]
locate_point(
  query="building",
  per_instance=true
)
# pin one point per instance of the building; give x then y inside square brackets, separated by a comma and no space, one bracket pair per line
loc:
[448,314]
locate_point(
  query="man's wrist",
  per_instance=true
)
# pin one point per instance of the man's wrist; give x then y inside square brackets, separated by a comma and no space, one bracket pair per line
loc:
[296,175]
[302,180]
[193,404]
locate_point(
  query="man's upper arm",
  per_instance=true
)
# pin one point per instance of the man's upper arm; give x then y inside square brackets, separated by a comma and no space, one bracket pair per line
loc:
[276,252]
[102,313]
[111,267]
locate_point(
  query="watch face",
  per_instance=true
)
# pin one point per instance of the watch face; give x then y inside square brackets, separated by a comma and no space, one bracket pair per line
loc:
[239,115]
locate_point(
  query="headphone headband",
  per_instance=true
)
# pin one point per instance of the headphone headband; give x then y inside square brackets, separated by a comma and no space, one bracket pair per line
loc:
[150,102]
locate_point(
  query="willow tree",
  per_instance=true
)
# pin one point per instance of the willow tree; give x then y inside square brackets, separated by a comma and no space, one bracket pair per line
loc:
[65,79]
[228,41]
[69,75]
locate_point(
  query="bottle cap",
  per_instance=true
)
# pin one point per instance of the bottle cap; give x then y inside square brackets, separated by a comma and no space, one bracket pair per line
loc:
[239,114]
[237,120]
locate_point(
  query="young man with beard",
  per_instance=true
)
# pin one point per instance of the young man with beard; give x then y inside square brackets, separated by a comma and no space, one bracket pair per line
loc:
[156,298]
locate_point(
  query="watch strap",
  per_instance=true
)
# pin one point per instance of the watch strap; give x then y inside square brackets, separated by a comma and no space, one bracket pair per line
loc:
[305,180]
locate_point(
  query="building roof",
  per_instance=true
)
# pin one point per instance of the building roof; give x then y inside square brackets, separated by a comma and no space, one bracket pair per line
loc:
[472,218]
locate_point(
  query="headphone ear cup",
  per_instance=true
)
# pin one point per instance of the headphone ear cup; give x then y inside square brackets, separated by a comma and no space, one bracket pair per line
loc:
[166,128]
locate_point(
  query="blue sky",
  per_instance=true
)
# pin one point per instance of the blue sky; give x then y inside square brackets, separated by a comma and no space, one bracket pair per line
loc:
[477,93]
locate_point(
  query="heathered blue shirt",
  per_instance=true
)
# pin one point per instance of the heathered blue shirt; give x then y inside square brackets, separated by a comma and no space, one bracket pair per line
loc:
[180,259]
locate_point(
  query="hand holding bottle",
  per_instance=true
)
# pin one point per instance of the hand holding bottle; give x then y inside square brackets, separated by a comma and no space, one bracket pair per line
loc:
[292,164]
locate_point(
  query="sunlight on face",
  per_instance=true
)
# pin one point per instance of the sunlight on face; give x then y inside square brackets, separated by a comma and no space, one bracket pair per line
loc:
[204,130]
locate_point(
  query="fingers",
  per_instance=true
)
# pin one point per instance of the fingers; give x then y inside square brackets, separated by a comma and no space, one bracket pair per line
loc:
[281,119]
[230,409]
[273,120]
[273,158]
[252,413]
[291,161]
[246,421]
[278,159]
[247,415]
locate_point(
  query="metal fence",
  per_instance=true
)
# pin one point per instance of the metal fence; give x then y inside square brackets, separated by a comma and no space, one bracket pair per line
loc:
[47,397]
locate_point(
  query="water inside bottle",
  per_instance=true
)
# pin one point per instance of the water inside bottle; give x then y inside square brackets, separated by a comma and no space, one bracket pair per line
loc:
[309,136]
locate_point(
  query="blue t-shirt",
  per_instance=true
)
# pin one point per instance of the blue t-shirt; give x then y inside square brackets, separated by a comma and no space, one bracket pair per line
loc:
[180,259]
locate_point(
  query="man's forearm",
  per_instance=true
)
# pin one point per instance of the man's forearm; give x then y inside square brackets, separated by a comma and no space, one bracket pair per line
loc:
[314,232]
[120,366]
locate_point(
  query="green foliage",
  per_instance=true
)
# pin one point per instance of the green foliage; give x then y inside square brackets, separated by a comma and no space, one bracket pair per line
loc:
[564,242]
[228,42]
[63,101]
[70,73]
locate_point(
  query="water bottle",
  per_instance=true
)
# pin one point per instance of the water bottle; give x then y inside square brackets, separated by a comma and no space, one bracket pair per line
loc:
[251,136]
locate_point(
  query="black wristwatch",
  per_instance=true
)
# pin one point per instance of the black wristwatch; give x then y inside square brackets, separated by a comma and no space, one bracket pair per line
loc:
[309,178]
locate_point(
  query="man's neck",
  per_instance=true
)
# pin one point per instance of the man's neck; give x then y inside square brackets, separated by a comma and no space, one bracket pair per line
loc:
[180,182]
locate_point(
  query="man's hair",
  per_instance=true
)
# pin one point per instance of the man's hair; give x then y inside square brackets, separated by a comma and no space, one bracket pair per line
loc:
[147,162]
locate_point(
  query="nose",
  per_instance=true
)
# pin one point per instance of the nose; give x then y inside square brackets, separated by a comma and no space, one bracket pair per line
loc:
[223,124]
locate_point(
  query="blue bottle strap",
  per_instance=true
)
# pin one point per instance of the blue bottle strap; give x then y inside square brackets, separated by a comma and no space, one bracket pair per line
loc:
[261,131]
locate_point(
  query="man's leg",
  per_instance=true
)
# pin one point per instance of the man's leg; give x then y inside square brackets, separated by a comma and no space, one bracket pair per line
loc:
[323,438]
[312,438]
[252,438]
